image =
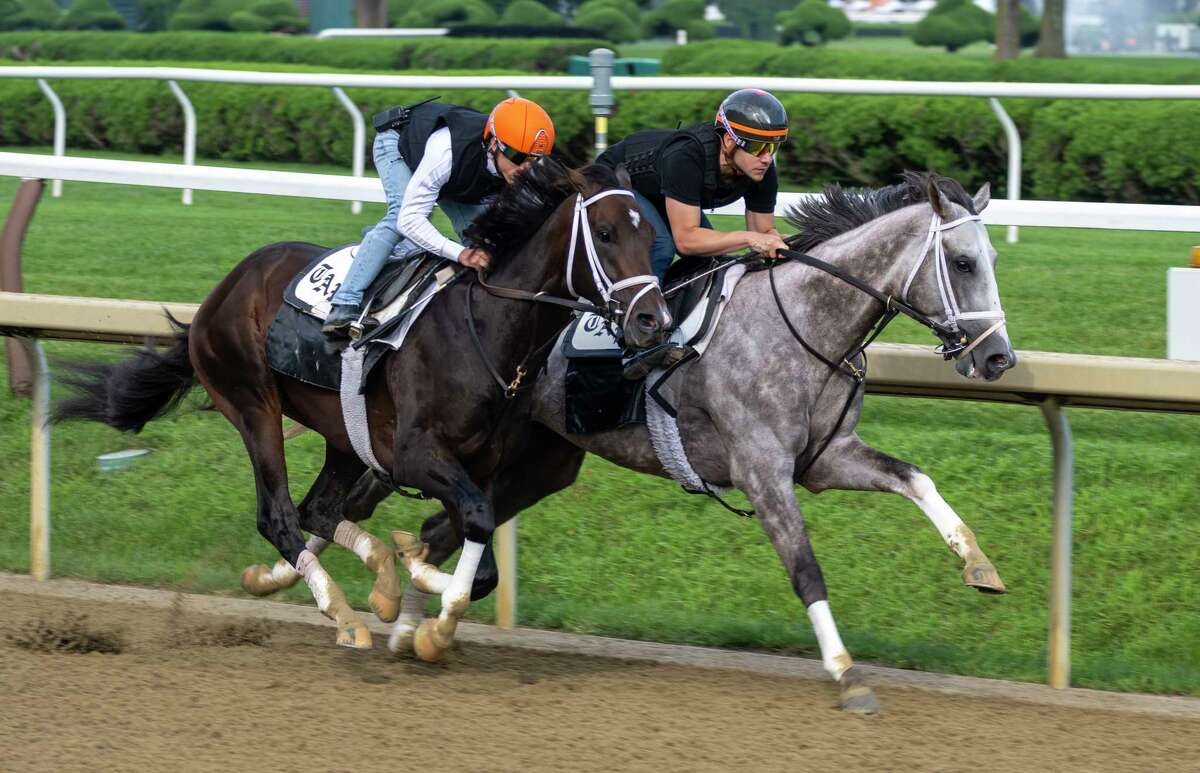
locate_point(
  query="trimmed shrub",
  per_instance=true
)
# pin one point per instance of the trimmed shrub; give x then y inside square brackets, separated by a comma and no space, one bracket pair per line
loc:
[627,7]
[530,13]
[812,23]
[699,29]
[446,13]
[92,15]
[954,24]
[154,15]
[542,55]
[610,23]
[672,15]
[29,14]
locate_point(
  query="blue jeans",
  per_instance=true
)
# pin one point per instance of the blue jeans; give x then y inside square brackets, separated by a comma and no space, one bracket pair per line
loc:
[662,251]
[384,240]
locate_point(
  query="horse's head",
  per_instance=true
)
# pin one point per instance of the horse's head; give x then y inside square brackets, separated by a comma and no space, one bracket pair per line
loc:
[954,283]
[608,260]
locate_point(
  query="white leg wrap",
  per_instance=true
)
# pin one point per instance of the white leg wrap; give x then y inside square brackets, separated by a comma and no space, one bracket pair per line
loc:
[412,612]
[319,581]
[464,572]
[833,652]
[944,519]
[352,537]
[431,577]
[316,544]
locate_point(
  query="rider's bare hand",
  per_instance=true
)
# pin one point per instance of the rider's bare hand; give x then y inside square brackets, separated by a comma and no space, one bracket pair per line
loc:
[767,245]
[474,257]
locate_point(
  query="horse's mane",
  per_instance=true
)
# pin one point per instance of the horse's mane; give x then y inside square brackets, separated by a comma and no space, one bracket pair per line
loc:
[839,209]
[520,209]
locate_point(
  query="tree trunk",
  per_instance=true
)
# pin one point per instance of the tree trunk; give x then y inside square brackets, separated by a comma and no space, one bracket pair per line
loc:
[1052,44]
[370,13]
[1008,36]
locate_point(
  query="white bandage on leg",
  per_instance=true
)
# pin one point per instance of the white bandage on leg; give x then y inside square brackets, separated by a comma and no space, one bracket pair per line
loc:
[944,519]
[833,653]
[464,571]
[318,580]
[283,575]
[316,544]
[352,537]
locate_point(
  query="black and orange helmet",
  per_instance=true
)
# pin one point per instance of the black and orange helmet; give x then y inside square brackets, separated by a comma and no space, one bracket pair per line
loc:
[755,119]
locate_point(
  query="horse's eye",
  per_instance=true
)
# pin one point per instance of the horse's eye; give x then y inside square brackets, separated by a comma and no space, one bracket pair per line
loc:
[963,266]
[604,235]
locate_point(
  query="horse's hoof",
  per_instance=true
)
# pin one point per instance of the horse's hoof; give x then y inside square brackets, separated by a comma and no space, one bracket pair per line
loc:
[860,699]
[400,642]
[385,607]
[257,580]
[408,545]
[354,635]
[425,645]
[983,577]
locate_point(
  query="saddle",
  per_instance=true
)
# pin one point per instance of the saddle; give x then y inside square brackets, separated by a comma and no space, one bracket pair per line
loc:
[598,397]
[296,347]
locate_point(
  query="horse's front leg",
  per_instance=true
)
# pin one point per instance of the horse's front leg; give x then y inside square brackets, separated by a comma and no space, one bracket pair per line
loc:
[768,484]
[852,465]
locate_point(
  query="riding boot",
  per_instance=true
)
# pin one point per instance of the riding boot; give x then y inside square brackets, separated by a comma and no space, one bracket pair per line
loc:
[637,365]
[343,322]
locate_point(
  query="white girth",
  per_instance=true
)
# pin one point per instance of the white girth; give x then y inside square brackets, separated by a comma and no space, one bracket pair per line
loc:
[604,285]
[942,272]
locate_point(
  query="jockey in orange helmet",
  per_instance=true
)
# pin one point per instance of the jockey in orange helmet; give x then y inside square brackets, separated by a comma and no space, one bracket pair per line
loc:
[446,155]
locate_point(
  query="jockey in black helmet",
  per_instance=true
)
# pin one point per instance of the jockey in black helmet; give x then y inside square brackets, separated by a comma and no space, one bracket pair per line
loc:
[679,173]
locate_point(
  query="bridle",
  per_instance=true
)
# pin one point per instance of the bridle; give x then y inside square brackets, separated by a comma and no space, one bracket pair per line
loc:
[612,311]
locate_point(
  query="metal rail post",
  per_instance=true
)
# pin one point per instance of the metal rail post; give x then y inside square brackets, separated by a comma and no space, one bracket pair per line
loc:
[189,133]
[504,541]
[60,130]
[39,464]
[1014,158]
[601,96]
[360,138]
[1060,561]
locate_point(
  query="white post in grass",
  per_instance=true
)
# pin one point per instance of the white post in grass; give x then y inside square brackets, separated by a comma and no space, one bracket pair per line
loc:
[189,133]
[60,130]
[504,543]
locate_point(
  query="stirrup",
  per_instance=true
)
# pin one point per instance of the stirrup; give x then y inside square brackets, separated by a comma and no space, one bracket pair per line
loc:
[638,365]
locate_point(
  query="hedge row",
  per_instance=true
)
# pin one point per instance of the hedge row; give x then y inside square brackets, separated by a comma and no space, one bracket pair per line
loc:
[543,54]
[726,57]
[1073,150]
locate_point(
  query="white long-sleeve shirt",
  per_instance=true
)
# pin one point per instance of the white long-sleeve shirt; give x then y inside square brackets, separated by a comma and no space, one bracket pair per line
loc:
[422,193]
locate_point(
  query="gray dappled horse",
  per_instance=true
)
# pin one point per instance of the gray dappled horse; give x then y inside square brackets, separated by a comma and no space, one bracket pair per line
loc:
[759,411]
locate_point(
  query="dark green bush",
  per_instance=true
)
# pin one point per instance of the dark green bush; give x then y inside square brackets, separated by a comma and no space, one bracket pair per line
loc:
[29,14]
[530,13]
[672,15]
[610,22]
[542,55]
[954,24]
[812,23]
[92,15]
[443,13]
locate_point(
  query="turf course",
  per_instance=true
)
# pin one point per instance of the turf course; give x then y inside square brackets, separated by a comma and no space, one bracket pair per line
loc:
[628,555]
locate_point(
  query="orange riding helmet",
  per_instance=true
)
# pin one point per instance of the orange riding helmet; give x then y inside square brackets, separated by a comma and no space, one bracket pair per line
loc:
[521,128]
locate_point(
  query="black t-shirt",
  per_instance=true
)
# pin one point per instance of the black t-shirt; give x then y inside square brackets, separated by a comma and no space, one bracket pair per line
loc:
[679,174]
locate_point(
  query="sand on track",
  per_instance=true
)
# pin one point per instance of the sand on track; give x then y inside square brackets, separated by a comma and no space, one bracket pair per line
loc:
[296,702]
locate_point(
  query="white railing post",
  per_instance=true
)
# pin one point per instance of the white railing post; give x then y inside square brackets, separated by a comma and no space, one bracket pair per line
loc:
[1059,655]
[360,139]
[1014,158]
[189,132]
[504,543]
[601,96]
[60,130]
[39,463]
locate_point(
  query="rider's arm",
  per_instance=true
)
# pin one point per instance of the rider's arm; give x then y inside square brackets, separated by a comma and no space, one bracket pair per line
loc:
[421,195]
[692,239]
[761,222]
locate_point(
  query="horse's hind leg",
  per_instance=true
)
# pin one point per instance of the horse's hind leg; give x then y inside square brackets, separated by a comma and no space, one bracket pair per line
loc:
[359,504]
[852,465]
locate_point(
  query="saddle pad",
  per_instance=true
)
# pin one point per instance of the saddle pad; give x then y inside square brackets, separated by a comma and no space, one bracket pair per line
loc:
[296,347]
[313,288]
[599,397]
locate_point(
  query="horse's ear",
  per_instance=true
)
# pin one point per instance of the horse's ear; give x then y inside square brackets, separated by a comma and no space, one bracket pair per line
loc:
[982,197]
[577,180]
[937,199]
[623,178]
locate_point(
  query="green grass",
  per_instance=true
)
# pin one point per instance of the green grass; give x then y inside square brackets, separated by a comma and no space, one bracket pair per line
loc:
[629,555]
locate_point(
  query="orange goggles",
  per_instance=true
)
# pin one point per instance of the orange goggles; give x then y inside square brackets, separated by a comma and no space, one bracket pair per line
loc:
[753,147]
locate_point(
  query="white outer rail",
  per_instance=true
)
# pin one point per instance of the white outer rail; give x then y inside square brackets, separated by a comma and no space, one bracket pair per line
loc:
[1052,214]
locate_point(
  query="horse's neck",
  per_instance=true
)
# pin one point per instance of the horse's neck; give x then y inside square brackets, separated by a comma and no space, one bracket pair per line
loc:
[879,253]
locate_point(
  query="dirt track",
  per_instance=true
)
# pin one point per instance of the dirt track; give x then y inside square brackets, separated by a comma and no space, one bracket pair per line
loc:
[296,702]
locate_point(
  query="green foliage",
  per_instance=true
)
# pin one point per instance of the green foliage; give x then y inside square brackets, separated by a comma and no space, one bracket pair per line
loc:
[29,14]
[812,23]
[92,15]
[1029,27]
[672,15]
[627,7]
[953,24]
[609,22]
[154,15]
[755,18]
[699,29]
[530,13]
[540,55]
[447,13]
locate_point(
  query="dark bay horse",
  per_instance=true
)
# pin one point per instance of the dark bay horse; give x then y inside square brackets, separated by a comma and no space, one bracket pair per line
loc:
[439,423]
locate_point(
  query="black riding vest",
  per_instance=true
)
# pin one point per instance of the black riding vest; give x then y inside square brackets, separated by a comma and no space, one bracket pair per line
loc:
[470,181]
[642,151]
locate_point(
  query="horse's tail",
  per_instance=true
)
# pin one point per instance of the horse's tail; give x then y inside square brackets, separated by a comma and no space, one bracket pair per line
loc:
[128,394]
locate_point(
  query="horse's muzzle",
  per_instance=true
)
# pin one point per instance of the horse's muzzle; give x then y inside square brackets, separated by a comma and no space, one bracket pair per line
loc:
[648,325]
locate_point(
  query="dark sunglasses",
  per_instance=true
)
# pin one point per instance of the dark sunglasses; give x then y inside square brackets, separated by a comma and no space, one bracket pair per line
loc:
[515,156]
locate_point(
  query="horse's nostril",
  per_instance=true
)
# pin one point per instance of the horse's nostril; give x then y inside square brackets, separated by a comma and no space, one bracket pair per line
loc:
[997,362]
[647,322]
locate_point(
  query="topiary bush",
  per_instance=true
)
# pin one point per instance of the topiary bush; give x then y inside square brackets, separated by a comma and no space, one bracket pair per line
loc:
[445,13]
[530,13]
[672,15]
[29,14]
[92,15]
[954,24]
[609,22]
[812,23]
